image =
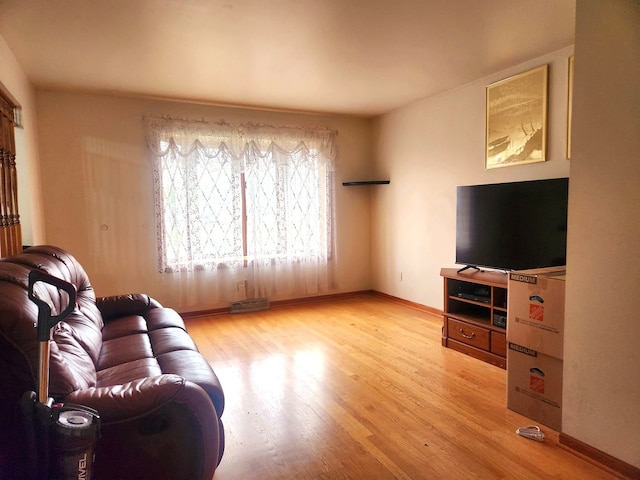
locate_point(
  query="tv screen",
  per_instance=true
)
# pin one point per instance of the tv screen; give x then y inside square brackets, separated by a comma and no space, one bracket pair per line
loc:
[512,226]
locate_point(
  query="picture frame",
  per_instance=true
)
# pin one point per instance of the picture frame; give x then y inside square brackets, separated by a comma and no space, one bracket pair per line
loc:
[569,105]
[516,123]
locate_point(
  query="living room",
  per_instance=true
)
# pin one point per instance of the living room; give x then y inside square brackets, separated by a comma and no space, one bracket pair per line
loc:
[85,164]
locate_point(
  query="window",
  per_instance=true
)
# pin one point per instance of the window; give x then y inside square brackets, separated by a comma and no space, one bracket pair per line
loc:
[241,196]
[199,211]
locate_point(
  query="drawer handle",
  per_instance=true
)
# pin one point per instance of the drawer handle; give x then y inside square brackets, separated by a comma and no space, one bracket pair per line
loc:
[465,335]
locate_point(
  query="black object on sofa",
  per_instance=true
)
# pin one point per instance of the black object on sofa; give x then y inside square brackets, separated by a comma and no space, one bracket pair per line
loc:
[127,357]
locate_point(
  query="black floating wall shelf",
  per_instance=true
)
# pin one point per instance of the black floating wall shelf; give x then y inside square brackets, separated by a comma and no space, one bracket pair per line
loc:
[368,182]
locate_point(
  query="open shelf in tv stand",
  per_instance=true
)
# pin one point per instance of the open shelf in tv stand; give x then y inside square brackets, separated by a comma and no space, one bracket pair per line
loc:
[471,298]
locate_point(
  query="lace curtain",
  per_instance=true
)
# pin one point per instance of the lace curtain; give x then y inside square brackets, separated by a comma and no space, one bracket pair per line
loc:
[253,199]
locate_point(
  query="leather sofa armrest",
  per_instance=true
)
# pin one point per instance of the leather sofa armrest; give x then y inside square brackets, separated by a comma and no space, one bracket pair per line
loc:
[123,305]
[171,425]
[121,402]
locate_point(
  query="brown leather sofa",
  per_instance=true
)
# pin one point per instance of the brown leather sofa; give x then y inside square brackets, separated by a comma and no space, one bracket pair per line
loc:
[127,357]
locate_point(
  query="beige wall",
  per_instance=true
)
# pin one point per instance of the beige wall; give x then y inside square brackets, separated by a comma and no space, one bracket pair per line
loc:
[14,82]
[602,326]
[98,191]
[427,149]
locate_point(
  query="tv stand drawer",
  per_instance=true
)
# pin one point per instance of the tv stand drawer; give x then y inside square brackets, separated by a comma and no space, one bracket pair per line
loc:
[466,333]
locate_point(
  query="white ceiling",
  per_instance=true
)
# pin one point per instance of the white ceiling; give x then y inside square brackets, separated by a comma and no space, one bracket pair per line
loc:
[360,57]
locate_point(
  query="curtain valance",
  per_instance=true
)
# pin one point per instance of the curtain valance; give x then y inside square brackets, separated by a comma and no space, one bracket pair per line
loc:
[240,141]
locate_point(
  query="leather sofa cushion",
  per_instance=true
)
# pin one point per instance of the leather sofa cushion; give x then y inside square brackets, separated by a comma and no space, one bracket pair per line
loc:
[71,367]
[86,332]
[130,325]
[124,349]
[128,372]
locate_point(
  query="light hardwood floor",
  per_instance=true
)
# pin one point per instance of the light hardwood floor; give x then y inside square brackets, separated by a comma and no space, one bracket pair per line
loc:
[361,388]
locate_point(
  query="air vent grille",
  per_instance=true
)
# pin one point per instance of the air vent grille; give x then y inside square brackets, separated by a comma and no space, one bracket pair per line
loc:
[250,305]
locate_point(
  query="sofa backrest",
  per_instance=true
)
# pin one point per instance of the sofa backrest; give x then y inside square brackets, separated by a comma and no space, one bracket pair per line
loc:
[76,340]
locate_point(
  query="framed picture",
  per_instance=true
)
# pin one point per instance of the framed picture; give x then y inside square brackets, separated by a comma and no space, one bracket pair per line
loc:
[569,106]
[517,119]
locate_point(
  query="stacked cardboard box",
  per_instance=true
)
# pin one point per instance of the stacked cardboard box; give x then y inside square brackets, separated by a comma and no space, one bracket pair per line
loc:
[535,336]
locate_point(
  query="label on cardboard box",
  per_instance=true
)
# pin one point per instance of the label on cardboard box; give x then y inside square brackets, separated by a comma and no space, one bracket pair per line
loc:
[536,384]
[536,312]
[519,348]
[523,277]
[536,316]
[532,276]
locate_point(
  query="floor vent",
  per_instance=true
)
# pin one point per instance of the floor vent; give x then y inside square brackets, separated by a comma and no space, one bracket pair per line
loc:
[250,305]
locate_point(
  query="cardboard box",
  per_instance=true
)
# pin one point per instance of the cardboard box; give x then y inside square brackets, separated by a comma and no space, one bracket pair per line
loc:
[535,314]
[534,385]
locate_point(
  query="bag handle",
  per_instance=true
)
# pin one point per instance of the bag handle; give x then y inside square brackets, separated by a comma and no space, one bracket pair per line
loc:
[45,320]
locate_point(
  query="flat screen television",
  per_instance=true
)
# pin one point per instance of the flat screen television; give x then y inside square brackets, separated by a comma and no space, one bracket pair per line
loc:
[512,226]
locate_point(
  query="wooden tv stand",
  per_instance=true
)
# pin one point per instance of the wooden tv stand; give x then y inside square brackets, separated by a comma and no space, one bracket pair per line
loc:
[471,299]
